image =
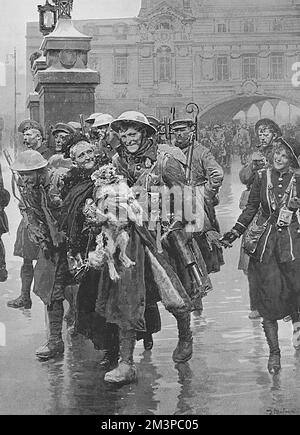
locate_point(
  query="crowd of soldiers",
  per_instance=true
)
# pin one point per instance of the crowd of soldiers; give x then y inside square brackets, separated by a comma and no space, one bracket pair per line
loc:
[95,222]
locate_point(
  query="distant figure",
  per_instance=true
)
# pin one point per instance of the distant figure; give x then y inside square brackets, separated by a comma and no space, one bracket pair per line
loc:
[4,201]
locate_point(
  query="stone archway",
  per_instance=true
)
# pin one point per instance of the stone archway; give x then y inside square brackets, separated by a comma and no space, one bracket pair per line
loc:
[224,110]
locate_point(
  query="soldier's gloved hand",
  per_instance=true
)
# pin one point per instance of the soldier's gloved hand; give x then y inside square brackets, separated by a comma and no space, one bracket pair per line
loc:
[228,238]
[258,161]
[213,238]
[215,179]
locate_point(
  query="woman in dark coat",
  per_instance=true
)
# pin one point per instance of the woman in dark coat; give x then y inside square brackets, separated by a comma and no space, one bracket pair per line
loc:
[273,242]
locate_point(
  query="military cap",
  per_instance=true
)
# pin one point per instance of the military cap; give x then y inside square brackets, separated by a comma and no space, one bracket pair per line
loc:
[268,123]
[29,124]
[102,120]
[182,123]
[65,128]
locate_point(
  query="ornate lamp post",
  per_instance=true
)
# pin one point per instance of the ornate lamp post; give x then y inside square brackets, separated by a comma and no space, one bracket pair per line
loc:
[64,83]
[48,17]
[51,13]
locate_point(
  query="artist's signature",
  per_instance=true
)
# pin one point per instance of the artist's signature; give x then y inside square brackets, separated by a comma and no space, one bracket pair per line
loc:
[281,411]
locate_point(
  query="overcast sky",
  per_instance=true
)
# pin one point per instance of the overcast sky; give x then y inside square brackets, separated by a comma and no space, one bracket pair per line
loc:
[15,14]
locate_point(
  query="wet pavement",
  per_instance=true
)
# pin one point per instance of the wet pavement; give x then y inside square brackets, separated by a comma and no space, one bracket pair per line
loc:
[227,375]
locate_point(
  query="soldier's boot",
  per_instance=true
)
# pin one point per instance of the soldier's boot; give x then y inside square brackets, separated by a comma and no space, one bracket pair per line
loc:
[148,341]
[112,348]
[24,300]
[271,332]
[126,372]
[55,345]
[184,350]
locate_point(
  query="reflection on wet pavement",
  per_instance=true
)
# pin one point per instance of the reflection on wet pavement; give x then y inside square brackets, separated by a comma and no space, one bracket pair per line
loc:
[227,374]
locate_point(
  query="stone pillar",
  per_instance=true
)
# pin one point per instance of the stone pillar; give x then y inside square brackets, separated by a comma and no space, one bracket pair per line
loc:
[33,105]
[66,87]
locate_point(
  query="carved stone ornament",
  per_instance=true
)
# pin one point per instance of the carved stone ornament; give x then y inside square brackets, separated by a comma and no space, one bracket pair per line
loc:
[183,51]
[249,87]
[68,58]
[146,51]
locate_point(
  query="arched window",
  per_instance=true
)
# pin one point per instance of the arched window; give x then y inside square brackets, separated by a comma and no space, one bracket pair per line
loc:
[165,64]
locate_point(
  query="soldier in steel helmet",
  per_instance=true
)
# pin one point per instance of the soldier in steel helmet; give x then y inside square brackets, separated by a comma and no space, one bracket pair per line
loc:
[89,122]
[24,247]
[107,140]
[42,224]
[158,273]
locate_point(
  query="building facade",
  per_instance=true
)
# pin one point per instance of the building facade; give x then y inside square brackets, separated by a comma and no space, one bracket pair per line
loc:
[217,53]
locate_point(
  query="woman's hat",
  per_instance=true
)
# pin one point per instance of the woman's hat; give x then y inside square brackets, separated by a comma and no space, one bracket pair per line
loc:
[294,148]
[268,123]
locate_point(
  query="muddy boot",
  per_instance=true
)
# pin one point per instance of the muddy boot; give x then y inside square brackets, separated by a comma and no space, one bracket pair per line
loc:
[55,344]
[24,300]
[271,331]
[125,373]
[148,341]
[3,270]
[184,350]
[111,352]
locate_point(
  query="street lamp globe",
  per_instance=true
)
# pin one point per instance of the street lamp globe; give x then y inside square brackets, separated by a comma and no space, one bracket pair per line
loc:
[48,17]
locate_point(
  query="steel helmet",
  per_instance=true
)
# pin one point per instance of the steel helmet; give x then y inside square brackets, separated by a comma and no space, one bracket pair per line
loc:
[105,119]
[155,122]
[91,118]
[75,125]
[136,118]
[29,160]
